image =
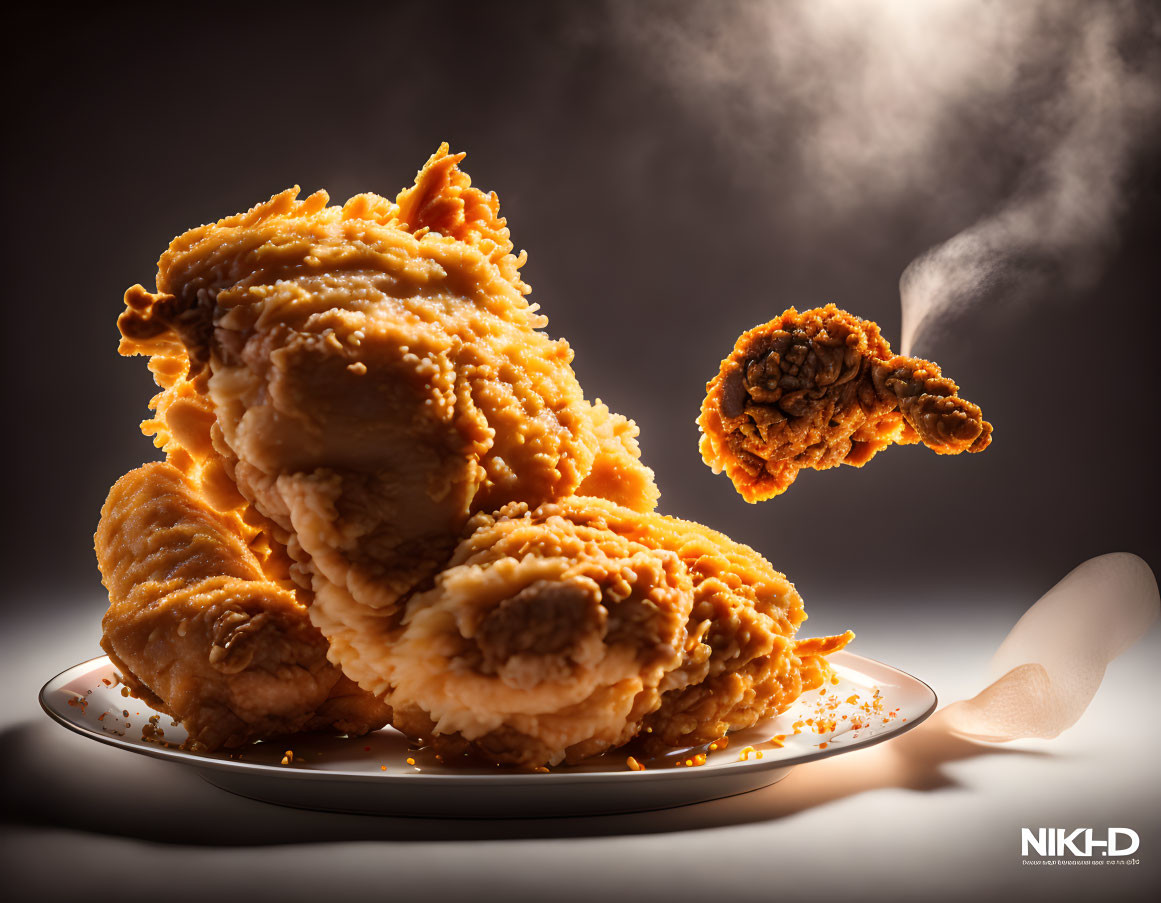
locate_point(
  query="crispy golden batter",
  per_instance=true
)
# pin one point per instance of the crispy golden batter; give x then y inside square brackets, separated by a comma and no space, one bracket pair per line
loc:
[547,636]
[743,662]
[617,473]
[375,375]
[200,631]
[365,425]
[822,388]
[560,632]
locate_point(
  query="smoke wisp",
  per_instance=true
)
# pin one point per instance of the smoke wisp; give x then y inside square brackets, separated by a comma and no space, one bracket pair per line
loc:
[1024,118]
[1056,229]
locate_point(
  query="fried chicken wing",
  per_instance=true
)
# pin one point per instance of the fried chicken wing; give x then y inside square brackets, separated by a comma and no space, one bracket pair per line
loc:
[198,629]
[559,632]
[821,388]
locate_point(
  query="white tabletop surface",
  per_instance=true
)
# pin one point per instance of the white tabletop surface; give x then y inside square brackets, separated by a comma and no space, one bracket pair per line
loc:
[923,817]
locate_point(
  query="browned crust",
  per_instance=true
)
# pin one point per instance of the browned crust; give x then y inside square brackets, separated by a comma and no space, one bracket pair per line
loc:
[821,388]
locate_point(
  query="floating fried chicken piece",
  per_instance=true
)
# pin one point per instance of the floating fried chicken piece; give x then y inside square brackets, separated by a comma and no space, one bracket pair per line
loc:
[822,388]
[560,632]
[200,631]
[375,376]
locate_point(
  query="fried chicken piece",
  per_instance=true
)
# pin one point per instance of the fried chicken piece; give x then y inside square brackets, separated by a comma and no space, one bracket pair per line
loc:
[743,663]
[184,426]
[375,376]
[200,631]
[560,632]
[822,388]
[546,638]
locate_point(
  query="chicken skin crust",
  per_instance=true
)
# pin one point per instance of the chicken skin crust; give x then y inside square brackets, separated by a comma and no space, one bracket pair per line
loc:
[374,375]
[560,632]
[199,631]
[547,638]
[821,388]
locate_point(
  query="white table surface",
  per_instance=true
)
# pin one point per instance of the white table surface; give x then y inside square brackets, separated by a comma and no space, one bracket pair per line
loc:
[918,818]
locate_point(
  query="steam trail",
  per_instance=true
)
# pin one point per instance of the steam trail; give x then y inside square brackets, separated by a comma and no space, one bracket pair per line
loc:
[1057,229]
[838,106]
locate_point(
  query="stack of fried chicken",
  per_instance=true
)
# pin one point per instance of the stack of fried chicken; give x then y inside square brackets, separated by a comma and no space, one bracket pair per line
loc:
[385,499]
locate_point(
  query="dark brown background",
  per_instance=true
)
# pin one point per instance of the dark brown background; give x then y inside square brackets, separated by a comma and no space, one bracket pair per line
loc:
[652,243]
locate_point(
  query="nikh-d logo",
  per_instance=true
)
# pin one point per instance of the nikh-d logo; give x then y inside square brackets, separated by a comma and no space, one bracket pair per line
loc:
[1080,843]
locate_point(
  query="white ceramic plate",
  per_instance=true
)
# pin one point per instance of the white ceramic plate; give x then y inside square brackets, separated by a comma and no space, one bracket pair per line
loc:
[372,775]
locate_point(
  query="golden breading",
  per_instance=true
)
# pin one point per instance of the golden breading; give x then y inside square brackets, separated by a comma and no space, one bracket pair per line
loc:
[369,434]
[546,638]
[375,376]
[822,388]
[563,631]
[198,629]
[617,473]
[742,663]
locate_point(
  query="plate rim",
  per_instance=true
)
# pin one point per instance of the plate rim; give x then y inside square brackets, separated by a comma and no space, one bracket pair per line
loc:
[256,769]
